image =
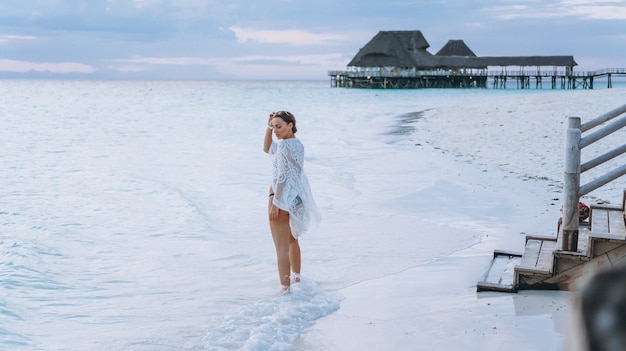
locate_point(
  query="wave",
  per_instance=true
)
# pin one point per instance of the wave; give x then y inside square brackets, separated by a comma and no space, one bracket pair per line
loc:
[273,323]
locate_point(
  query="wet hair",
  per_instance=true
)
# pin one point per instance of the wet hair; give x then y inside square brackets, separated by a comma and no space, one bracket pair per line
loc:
[288,117]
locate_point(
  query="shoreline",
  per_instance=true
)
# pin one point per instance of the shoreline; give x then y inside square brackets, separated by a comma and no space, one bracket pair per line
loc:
[434,305]
[498,190]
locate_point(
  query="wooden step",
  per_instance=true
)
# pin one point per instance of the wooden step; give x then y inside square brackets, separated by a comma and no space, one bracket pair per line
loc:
[607,220]
[537,263]
[543,265]
[601,244]
[607,231]
[501,273]
[538,254]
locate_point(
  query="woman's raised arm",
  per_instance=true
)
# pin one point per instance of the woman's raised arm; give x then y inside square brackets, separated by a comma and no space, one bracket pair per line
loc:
[268,135]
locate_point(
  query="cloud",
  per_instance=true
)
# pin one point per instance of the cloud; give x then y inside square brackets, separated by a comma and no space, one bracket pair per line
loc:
[600,12]
[170,61]
[316,60]
[7,37]
[271,67]
[321,60]
[585,9]
[63,67]
[264,39]
[137,20]
[291,37]
[252,67]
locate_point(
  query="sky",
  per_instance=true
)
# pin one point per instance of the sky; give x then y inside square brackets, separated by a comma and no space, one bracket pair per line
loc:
[286,39]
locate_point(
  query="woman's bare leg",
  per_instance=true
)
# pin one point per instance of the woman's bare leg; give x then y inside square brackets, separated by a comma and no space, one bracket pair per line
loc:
[281,234]
[294,256]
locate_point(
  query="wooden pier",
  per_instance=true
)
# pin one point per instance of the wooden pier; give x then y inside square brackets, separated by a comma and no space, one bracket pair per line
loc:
[473,79]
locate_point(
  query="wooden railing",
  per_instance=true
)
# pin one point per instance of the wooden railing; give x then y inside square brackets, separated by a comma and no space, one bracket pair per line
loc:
[574,143]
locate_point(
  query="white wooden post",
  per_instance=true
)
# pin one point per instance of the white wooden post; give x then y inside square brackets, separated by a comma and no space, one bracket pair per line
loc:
[571,185]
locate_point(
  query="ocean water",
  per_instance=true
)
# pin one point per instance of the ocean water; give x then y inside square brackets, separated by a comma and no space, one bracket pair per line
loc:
[133,214]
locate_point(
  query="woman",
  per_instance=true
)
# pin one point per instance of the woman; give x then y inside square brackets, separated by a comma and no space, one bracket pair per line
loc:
[291,208]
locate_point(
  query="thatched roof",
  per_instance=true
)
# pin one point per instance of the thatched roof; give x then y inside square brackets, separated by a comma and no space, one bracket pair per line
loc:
[395,48]
[502,61]
[460,62]
[566,61]
[455,48]
[408,49]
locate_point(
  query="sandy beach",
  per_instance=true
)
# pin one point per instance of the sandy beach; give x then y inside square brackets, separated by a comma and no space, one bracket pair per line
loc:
[494,191]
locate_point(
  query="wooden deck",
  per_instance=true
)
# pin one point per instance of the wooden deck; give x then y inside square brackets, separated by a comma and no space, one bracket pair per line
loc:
[473,79]
[543,265]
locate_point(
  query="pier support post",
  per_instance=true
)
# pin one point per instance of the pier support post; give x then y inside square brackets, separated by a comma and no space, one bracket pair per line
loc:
[571,185]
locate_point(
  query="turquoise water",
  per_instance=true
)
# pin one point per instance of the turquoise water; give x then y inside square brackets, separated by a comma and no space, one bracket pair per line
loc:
[133,213]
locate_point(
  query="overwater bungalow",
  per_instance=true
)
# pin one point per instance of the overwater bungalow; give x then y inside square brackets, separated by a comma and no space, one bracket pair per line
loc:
[400,59]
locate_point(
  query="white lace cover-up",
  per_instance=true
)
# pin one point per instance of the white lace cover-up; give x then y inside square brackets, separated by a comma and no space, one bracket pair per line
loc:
[292,192]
